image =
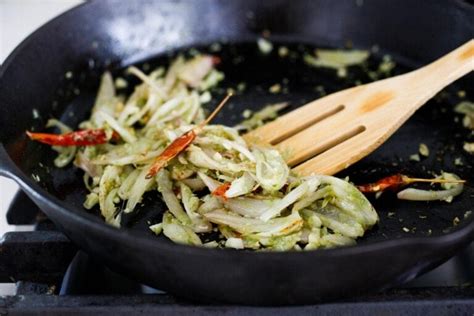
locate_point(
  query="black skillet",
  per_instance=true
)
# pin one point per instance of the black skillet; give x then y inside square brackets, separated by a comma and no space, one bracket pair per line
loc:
[411,238]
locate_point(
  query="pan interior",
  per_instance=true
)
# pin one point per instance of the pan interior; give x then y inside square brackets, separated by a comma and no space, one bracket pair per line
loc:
[251,74]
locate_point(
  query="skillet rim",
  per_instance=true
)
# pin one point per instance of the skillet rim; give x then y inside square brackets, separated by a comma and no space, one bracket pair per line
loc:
[10,170]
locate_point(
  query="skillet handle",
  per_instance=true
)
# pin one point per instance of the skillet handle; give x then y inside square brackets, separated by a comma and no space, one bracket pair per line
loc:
[8,169]
[6,164]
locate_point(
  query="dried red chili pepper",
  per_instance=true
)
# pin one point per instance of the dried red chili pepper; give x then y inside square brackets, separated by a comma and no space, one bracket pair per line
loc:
[221,190]
[391,182]
[87,137]
[176,147]
[396,181]
[181,143]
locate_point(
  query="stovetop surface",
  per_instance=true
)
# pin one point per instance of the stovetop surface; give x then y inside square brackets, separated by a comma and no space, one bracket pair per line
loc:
[53,277]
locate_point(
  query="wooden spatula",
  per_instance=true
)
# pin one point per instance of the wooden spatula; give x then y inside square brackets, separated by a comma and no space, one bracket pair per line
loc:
[331,133]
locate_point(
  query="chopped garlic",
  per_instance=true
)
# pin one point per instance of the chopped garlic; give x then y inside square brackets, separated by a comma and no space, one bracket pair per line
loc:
[265,46]
[456,221]
[120,83]
[283,51]
[415,157]
[276,88]
[424,150]
[235,243]
[36,114]
[469,147]
[36,177]
[458,162]
[157,228]
[247,113]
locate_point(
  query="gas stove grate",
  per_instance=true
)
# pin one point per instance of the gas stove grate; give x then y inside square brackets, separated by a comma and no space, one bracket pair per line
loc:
[163,304]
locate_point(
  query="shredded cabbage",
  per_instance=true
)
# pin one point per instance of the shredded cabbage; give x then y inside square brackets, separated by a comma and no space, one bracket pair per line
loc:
[65,154]
[336,59]
[271,170]
[257,119]
[241,186]
[450,190]
[263,205]
[179,233]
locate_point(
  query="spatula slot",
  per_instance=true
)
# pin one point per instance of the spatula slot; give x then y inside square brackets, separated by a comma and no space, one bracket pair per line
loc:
[325,146]
[299,128]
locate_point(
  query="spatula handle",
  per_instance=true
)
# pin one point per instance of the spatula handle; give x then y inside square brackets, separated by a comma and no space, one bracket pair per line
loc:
[445,70]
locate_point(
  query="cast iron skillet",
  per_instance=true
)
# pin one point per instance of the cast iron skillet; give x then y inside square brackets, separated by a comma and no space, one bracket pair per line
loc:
[112,34]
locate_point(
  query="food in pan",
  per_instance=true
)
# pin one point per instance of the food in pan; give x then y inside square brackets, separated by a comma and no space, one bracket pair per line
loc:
[219,190]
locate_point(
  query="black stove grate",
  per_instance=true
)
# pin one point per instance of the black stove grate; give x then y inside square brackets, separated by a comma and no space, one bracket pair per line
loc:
[162,304]
[53,278]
